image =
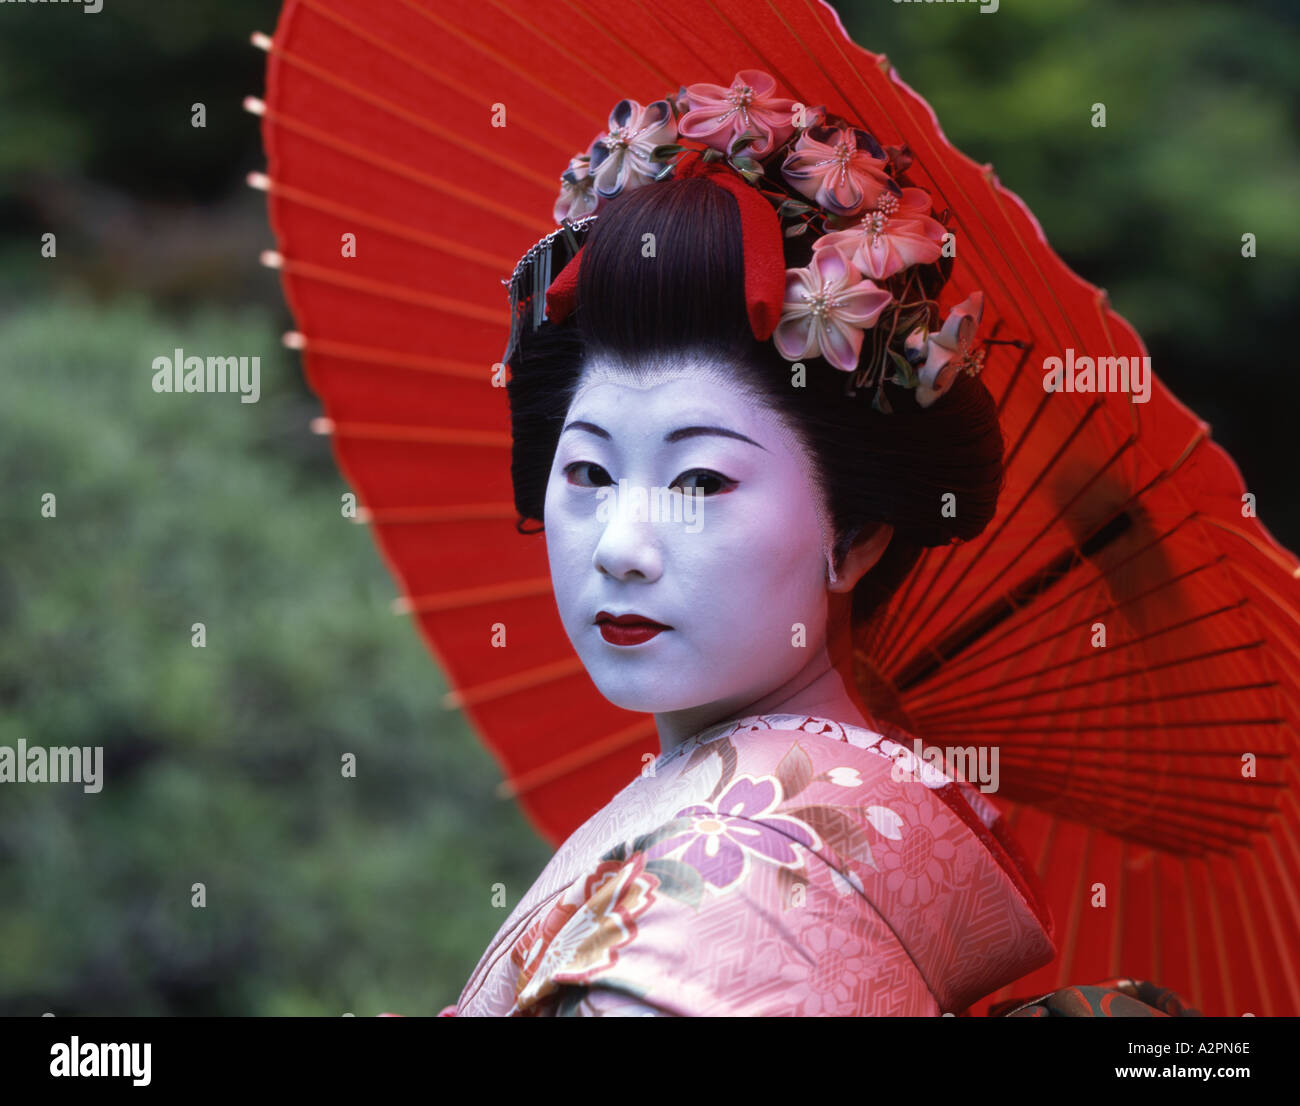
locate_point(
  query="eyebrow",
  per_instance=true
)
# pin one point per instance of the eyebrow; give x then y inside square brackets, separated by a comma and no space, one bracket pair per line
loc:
[672,436]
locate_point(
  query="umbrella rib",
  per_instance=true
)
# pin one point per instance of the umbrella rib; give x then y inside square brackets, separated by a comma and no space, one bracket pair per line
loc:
[1089,783]
[880,639]
[460,195]
[403,231]
[1123,727]
[528,74]
[1014,377]
[508,685]
[1279,930]
[1286,831]
[577,61]
[898,603]
[1117,928]
[579,758]
[453,512]
[416,433]
[462,309]
[1009,560]
[1100,533]
[444,134]
[1072,709]
[1041,613]
[460,598]
[1076,912]
[1041,756]
[1177,838]
[1089,657]
[1036,770]
[1284,951]
[1125,747]
[373,355]
[1046,847]
[1262,988]
[897,646]
[973,560]
[432,74]
[1079,787]
[1124,673]
[1260,547]
[639,55]
[959,639]
[1191,916]
[1157,949]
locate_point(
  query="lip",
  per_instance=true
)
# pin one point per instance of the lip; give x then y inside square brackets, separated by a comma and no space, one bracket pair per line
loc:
[628,629]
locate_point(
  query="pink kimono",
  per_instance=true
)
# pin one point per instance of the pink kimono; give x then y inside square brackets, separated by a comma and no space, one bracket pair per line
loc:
[779,865]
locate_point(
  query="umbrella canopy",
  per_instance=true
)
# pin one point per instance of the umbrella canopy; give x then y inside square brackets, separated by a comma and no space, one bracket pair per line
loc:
[1126,634]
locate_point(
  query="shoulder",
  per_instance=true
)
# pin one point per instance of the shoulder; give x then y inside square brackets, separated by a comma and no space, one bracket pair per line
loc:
[751,899]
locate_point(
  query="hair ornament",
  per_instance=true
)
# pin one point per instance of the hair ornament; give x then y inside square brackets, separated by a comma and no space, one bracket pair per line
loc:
[865,300]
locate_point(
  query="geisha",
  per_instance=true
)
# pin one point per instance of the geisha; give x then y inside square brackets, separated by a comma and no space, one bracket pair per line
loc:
[771,860]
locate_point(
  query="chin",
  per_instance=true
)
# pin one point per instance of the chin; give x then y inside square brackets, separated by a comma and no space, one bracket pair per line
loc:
[638,695]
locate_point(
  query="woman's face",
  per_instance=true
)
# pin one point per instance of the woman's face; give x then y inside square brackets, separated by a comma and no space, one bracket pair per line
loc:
[738,574]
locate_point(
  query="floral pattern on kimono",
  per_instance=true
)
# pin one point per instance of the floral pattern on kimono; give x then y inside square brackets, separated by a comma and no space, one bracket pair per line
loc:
[779,865]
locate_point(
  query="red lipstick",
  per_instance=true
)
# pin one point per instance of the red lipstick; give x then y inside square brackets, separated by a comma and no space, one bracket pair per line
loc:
[628,629]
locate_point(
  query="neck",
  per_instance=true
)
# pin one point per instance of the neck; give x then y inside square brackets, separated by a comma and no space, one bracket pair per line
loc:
[820,689]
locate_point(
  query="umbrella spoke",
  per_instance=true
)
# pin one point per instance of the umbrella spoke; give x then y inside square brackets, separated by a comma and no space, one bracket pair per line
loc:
[1040,614]
[1010,559]
[433,73]
[562,766]
[1087,658]
[401,169]
[1166,697]
[373,355]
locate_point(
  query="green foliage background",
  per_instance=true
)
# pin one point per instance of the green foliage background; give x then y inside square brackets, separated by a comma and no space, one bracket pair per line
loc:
[327,895]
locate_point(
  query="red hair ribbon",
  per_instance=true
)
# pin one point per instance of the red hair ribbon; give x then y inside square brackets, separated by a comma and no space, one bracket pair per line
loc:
[761,239]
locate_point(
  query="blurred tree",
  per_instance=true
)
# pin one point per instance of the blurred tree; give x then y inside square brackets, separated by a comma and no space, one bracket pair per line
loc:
[223,763]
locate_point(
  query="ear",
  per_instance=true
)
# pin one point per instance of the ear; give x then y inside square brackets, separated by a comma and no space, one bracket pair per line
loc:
[868,547]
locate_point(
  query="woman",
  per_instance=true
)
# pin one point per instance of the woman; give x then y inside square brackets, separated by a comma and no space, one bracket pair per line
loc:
[782,856]
[739,419]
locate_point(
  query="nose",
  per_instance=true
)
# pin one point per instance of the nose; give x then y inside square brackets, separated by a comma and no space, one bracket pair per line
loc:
[629,546]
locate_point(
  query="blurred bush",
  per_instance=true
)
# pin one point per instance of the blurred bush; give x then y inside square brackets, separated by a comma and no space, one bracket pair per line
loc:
[222,764]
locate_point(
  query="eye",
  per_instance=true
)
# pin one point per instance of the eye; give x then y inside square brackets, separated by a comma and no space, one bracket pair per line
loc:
[714,483]
[573,472]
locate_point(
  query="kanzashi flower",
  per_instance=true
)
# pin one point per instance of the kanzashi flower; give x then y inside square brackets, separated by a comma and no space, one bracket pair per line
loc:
[827,307]
[948,351]
[577,190]
[722,836]
[897,233]
[620,158]
[719,116]
[841,169]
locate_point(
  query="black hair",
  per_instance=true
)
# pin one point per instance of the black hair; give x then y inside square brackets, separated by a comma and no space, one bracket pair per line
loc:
[874,467]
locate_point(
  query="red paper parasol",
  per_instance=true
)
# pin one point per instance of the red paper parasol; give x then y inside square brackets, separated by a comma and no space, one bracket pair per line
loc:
[1125,633]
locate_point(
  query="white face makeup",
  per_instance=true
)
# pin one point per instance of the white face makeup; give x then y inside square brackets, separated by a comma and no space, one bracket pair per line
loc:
[733,584]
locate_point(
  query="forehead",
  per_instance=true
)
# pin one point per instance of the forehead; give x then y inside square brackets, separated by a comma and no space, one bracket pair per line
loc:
[666,386]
